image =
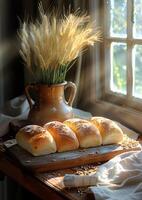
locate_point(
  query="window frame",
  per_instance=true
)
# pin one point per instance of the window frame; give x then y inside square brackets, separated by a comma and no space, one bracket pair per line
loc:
[123,100]
[112,106]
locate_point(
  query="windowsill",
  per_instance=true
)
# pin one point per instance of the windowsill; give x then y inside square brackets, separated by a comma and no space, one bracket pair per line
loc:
[129,117]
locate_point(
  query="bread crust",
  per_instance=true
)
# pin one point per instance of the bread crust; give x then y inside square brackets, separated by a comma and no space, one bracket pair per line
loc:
[64,137]
[69,135]
[110,131]
[36,140]
[88,135]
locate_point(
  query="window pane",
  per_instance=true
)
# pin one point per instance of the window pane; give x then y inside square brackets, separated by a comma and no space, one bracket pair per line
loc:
[137,71]
[118,17]
[137,19]
[118,67]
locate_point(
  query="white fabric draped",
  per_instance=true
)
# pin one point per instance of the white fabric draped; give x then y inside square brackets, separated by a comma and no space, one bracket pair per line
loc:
[119,178]
[16,109]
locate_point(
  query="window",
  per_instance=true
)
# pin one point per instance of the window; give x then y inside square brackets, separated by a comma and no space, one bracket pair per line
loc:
[122,51]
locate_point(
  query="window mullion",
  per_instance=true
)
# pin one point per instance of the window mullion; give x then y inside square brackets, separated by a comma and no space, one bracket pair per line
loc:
[129,49]
[106,49]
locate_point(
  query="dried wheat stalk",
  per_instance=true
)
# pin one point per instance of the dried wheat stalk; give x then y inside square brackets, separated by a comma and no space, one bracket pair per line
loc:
[49,45]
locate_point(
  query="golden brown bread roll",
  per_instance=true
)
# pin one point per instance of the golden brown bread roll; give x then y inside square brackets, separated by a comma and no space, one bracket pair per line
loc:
[36,140]
[64,137]
[88,135]
[110,131]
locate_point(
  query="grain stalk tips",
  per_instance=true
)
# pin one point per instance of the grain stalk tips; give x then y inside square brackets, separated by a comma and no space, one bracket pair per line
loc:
[50,45]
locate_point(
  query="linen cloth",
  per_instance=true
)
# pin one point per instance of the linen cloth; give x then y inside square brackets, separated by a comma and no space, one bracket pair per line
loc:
[119,178]
[15,109]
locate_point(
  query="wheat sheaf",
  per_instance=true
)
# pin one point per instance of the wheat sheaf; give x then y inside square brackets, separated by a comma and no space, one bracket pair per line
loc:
[50,45]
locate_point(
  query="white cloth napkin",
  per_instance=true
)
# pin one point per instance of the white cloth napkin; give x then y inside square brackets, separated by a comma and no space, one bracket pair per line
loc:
[118,179]
[15,109]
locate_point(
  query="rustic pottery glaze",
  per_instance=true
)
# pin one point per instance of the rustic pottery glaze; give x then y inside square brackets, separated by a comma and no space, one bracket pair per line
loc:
[50,103]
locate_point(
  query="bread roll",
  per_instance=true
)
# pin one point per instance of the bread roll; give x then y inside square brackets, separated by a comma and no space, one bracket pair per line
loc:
[36,140]
[88,135]
[64,137]
[110,131]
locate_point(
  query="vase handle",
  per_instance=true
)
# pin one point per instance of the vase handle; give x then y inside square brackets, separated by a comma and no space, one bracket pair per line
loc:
[28,96]
[72,92]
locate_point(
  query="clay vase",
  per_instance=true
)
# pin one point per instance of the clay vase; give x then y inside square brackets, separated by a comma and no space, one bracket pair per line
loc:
[50,103]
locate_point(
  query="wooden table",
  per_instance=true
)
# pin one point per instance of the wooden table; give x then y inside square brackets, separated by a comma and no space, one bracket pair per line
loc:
[45,185]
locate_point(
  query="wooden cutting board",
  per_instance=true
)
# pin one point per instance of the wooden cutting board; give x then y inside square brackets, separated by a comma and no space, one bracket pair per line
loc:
[65,159]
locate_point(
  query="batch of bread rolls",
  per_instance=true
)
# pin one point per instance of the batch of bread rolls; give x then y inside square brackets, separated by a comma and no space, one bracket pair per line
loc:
[72,134]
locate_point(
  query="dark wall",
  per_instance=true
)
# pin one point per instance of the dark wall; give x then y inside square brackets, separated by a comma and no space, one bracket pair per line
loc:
[12,71]
[11,67]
